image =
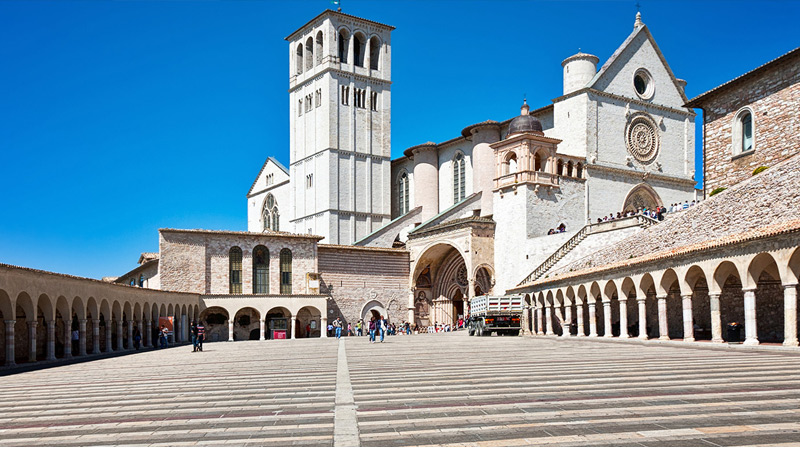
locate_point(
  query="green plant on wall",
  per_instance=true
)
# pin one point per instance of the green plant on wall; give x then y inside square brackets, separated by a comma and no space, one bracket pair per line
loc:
[716,191]
[759,170]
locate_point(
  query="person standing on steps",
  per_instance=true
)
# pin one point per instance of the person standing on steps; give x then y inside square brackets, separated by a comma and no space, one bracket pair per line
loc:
[372,328]
[201,335]
[193,331]
[337,325]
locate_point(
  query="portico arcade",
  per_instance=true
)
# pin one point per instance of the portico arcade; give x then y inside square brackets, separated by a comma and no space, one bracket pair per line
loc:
[40,310]
[259,317]
[755,286]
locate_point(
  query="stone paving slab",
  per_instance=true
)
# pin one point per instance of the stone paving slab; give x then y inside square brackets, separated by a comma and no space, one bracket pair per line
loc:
[423,390]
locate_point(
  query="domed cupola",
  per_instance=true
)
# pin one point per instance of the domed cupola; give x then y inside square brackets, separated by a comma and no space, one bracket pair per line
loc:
[524,123]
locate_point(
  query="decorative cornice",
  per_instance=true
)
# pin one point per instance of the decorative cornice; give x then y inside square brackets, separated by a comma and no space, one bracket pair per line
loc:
[467,222]
[327,12]
[644,104]
[309,80]
[270,234]
[644,175]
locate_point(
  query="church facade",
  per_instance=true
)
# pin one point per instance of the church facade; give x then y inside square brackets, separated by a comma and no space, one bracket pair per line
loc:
[617,138]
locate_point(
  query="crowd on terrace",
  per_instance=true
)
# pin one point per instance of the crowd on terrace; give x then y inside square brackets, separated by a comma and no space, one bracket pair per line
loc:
[656,213]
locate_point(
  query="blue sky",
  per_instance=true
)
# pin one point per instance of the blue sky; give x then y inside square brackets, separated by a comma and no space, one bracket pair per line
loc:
[121,117]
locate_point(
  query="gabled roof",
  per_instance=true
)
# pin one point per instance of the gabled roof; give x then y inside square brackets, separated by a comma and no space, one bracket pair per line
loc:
[611,60]
[696,102]
[269,159]
[148,256]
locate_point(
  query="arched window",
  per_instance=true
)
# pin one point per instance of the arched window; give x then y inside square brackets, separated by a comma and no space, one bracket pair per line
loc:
[743,132]
[318,52]
[374,52]
[235,262]
[343,35]
[402,192]
[579,170]
[569,168]
[141,280]
[270,215]
[747,132]
[358,50]
[286,271]
[459,185]
[299,59]
[260,270]
[309,53]
[560,167]
[510,164]
[537,162]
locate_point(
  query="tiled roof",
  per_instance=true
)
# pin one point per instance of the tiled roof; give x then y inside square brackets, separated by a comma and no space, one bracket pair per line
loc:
[762,206]
[98,281]
[329,11]
[230,232]
[696,102]
[362,248]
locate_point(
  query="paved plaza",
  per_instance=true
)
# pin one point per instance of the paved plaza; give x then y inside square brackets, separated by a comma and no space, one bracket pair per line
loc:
[443,389]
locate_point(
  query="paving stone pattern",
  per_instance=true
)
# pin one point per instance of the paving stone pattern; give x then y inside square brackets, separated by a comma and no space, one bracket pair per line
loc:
[439,389]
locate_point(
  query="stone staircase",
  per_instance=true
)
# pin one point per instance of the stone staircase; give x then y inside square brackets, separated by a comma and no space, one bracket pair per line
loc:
[566,248]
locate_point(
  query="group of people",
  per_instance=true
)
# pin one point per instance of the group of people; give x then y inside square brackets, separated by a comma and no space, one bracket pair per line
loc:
[376,328]
[437,327]
[560,229]
[657,213]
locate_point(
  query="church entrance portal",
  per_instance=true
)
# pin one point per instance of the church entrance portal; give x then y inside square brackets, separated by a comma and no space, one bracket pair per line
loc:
[442,287]
[640,197]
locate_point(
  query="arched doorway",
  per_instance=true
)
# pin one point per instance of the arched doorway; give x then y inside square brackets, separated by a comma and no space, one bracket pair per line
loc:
[641,196]
[246,324]
[215,321]
[458,307]
[309,319]
[373,309]
[278,324]
[441,286]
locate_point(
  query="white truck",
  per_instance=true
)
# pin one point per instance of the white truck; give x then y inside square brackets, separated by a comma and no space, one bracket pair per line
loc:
[495,314]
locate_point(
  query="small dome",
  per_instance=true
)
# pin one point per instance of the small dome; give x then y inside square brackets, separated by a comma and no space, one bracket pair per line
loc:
[524,123]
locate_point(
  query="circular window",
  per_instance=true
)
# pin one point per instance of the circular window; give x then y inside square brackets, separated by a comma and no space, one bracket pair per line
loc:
[643,83]
[642,139]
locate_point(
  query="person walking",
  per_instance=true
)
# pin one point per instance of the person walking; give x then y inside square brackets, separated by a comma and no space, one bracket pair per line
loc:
[76,338]
[382,325]
[163,337]
[372,327]
[193,331]
[337,325]
[201,335]
[137,338]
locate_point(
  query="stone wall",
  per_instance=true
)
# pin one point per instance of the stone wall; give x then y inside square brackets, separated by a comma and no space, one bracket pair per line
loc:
[774,98]
[198,261]
[354,277]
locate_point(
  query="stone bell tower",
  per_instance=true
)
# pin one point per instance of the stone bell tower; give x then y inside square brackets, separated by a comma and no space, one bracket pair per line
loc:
[340,126]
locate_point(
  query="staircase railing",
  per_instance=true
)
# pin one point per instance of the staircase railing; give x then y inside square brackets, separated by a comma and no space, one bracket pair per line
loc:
[565,248]
[557,255]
